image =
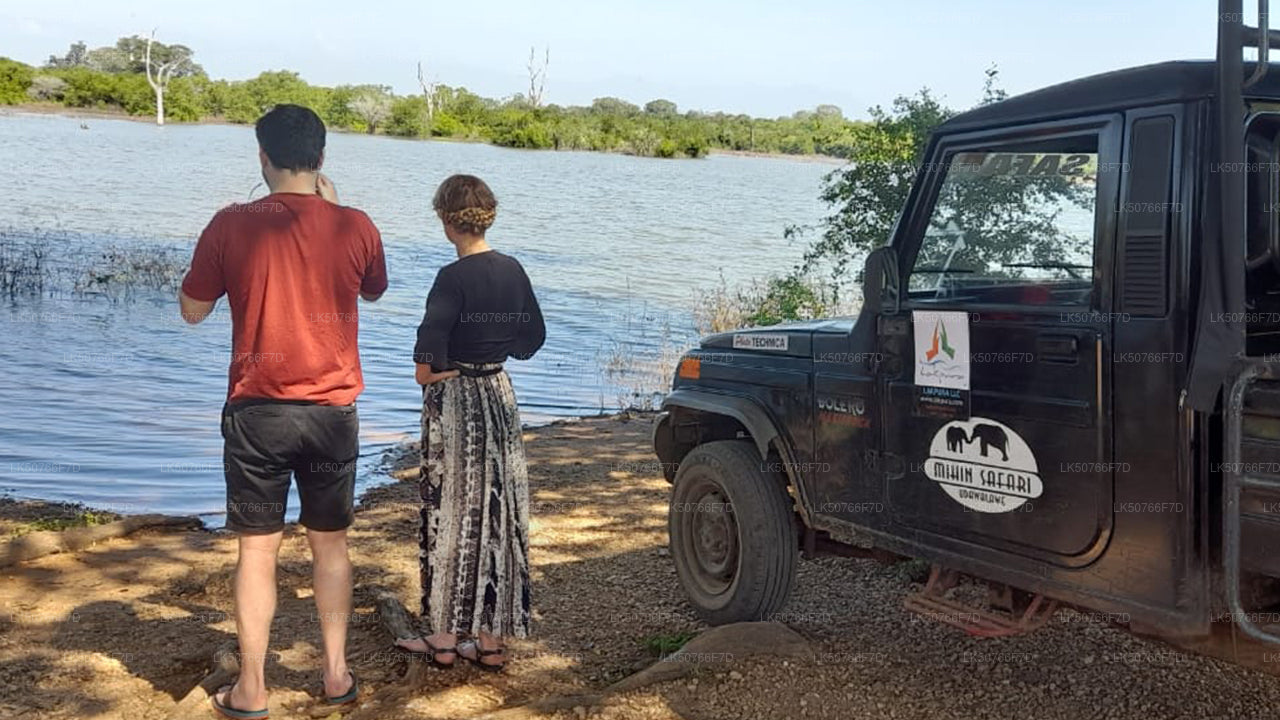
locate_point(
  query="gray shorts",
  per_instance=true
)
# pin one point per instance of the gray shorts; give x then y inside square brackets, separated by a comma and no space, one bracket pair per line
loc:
[266,442]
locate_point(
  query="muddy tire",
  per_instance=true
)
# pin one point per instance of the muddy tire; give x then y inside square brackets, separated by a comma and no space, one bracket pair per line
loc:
[733,533]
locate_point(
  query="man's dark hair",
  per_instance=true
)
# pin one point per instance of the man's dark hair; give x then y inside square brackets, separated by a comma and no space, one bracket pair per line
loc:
[292,136]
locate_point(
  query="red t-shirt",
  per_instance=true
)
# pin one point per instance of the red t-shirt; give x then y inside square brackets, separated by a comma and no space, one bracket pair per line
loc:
[292,267]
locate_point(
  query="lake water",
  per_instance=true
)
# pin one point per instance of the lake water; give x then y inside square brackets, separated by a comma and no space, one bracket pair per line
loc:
[115,402]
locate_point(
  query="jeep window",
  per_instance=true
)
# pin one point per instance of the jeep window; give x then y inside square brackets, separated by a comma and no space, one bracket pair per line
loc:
[1012,225]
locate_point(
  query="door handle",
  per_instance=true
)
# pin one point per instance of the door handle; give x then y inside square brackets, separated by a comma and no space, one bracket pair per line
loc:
[1057,348]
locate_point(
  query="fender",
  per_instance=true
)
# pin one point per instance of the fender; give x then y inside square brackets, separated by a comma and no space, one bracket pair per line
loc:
[744,410]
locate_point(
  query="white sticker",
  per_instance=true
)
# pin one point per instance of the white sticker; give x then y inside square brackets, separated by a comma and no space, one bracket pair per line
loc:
[983,465]
[748,341]
[942,348]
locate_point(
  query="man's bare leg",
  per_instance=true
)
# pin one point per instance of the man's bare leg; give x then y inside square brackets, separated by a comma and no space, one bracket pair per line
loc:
[255,591]
[331,577]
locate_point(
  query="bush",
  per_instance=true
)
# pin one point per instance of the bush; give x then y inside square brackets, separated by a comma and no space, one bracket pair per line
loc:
[520,129]
[15,78]
[782,299]
[89,88]
[408,117]
[446,125]
[46,87]
[695,147]
[667,148]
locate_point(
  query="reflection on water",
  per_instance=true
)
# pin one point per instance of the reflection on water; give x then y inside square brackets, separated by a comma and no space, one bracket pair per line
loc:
[116,403]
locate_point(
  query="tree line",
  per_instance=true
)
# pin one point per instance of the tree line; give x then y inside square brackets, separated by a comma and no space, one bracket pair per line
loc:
[115,77]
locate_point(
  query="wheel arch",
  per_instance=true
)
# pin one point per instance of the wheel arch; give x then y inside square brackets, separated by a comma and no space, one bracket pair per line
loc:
[690,418]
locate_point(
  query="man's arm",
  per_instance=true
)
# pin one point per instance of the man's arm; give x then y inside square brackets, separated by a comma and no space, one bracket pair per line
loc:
[193,311]
[374,283]
[205,279]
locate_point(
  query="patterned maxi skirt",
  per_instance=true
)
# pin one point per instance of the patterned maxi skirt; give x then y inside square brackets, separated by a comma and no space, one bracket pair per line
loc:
[474,536]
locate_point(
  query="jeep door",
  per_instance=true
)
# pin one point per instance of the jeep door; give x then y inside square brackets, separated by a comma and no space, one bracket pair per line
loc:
[998,411]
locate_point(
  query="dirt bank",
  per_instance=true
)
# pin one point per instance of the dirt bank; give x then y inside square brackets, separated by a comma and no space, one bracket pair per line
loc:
[127,628]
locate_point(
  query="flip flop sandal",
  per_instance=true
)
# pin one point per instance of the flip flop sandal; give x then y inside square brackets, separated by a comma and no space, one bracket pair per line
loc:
[347,697]
[483,653]
[229,712]
[431,653]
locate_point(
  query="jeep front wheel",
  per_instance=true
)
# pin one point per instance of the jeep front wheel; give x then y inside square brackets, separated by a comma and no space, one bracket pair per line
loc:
[732,533]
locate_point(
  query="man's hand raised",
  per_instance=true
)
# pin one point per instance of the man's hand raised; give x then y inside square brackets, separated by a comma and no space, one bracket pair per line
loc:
[325,188]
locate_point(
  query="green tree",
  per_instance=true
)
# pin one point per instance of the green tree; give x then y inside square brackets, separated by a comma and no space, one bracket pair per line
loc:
[15,78]
[76,56]
[109,60]
[278,87]
[133,50]
[867,194]
[1016,216]
[660,107]
[408,117]
[613,106]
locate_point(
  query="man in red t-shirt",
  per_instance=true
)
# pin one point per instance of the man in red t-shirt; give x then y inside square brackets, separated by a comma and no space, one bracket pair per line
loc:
[291,265]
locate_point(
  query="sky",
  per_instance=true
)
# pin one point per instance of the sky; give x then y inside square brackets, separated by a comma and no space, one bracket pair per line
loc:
[762,57]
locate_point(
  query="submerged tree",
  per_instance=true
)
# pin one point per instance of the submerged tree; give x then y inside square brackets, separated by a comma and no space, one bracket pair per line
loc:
[161,70]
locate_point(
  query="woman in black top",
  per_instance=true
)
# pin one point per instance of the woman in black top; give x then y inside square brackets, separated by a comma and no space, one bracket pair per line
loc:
[474,538]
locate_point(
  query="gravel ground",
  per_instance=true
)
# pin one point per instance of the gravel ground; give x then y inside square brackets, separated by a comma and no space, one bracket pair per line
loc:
[126,629]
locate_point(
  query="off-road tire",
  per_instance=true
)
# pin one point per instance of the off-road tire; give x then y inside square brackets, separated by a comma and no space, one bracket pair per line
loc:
[766,542]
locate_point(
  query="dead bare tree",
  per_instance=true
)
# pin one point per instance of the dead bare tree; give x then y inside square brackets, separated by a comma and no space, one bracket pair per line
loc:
[537,76]
[179,57]
[430,91]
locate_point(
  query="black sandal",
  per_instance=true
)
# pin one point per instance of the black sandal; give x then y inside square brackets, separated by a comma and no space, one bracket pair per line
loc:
[226,711]
[483,653]
[431,652]
[346,698]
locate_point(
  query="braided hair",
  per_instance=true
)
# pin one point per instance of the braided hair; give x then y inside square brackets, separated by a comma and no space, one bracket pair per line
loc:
[465,203]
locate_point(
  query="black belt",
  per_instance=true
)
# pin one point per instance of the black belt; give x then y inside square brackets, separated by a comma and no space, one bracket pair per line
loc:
[473,372]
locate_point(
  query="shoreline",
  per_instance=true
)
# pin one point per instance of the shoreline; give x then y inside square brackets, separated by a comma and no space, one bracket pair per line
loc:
[398,463]
[46,109]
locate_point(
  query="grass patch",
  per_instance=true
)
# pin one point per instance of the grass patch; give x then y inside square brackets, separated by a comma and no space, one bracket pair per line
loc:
[914,570]
[665,644]
[84,518]
[19,517]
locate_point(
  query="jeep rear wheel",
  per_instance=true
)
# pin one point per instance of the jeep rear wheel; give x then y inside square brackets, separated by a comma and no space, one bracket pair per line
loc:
[732,533]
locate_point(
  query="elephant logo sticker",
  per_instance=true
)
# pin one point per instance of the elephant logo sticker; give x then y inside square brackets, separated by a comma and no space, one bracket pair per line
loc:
[984,465]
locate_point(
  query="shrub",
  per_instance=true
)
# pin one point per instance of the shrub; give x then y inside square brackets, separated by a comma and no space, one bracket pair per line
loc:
[47,87]
[779,299]
[446,125]
[15,78]
[667,148]
[408,117]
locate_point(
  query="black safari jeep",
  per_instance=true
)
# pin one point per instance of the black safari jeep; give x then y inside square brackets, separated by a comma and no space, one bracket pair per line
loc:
[1084,411]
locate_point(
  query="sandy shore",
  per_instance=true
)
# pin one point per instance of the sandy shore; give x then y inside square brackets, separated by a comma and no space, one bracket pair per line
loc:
[127,628]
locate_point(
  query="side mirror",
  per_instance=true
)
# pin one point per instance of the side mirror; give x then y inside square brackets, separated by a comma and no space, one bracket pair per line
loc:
[880,282]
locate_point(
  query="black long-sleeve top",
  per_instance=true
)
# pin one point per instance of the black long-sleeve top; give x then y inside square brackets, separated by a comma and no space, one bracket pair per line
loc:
[481,309]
